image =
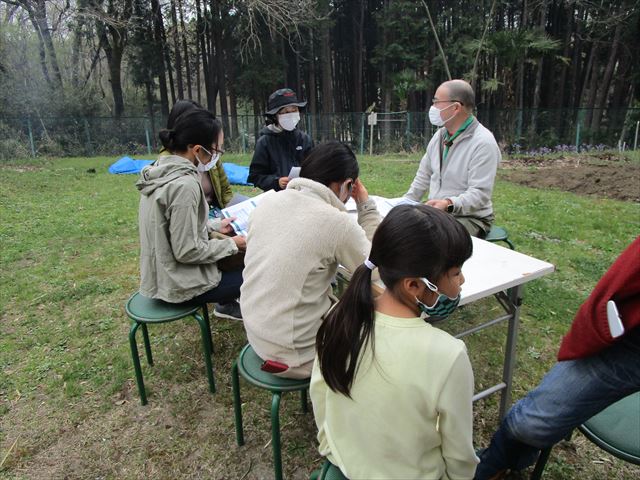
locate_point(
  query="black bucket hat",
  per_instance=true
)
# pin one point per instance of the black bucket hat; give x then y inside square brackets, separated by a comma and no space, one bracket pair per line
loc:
[281,98]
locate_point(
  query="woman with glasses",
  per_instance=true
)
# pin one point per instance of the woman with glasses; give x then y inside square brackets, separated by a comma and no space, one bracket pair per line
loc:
[214,181]
[178,261]
[297,238]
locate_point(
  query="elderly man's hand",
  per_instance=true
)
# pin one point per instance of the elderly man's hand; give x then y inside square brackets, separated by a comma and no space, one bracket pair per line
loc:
[439,204]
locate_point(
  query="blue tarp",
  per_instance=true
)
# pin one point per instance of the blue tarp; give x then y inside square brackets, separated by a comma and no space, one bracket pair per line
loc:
[128,165]
[237,174]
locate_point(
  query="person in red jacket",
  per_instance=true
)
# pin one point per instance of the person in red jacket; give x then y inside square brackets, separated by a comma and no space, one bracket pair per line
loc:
[598,365]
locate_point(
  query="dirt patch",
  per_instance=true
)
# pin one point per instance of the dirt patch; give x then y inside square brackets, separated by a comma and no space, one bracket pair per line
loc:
[605,175]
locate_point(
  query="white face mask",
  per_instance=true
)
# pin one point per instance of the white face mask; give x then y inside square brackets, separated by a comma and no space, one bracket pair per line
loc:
[435,118]
[288,121]
[205,167]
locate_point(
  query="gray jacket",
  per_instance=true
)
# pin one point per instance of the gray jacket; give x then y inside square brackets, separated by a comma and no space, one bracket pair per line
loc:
[467,175]
[177,259]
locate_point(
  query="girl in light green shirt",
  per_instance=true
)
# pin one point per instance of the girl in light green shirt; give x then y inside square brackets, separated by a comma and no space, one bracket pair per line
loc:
[392,394]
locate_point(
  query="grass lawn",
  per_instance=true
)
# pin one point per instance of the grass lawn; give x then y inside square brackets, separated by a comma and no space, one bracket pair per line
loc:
[69,407]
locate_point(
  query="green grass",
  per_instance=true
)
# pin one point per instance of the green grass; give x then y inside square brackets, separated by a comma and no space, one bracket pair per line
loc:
[68,403]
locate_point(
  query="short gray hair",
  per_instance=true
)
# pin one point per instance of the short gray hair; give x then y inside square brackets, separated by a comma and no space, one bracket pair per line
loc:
[461,91]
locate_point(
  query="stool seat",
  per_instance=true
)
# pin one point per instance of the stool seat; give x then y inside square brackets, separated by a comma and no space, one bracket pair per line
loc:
[150,310]
[499,234]
[616,429]
[249,366]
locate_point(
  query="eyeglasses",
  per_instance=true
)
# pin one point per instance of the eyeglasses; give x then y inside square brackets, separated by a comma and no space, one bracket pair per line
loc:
[435,100]
[215,149]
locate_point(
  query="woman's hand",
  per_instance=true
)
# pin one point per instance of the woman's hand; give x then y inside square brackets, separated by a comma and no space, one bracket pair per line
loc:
[283,181]
[225,225]
[240,242]
[359,192]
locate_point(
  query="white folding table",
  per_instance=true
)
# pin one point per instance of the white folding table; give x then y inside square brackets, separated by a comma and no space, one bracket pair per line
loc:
[501,272]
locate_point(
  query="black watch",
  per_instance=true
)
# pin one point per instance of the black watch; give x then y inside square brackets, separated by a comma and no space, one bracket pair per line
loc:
[450,208]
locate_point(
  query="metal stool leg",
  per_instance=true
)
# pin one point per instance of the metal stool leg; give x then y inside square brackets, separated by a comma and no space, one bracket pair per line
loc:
[237,405]
[303,401]
[540,464]
[147,345]
[136,362]
[205,315]
[206,346]
[275,435]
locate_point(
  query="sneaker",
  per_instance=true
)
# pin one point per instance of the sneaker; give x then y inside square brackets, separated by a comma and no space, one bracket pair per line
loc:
[229,310]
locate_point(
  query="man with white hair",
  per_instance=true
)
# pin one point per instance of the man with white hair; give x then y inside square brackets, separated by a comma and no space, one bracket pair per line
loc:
[459,167]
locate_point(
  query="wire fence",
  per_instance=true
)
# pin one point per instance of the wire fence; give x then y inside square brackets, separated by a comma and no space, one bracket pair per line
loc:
[517,131]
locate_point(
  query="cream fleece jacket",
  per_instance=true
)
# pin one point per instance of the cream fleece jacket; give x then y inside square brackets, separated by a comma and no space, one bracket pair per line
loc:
[295,242]
[467,175]
[410,413]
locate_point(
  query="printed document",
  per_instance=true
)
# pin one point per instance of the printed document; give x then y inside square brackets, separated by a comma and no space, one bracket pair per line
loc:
[242,211]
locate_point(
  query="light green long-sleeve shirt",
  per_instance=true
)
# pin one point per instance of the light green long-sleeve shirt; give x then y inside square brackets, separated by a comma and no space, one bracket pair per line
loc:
[410,412]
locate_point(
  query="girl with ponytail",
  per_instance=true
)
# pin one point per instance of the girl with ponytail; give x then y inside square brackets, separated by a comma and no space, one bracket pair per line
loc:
[392,394]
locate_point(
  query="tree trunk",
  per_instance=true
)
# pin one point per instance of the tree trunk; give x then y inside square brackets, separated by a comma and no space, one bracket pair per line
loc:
[149,91]
[358,58]
[157,37]
[538,85]
[603,91]
[176,49]
[202,36]
[167,60]
[185,50]
[220,65]
[40,13]
[312,93]
[327,85]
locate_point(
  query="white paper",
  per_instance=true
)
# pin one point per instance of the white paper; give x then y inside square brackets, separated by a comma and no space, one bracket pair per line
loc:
[294,172]
[385,205]
[242,211]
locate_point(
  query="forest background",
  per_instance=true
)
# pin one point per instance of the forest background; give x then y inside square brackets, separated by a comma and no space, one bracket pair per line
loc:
[99,76]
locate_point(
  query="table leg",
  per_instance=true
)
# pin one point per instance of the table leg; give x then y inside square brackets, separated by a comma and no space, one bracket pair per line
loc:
[515,300]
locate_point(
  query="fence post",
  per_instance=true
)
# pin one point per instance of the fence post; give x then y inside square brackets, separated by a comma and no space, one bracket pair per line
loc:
[86,131]
[146,133]
[578,125]
[33,147]
[245,133]
[408,131]
[635,140]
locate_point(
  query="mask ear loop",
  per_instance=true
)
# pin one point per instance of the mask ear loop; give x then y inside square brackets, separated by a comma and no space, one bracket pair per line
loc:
[429,285]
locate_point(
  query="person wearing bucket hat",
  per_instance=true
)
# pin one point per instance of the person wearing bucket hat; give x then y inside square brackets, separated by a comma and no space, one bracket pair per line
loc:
[281,144]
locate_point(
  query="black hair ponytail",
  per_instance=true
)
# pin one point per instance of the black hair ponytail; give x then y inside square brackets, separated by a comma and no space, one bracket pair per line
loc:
[411,241]
[346,331]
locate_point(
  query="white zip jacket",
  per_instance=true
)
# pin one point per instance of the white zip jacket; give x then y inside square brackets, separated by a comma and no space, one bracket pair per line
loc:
[466,176]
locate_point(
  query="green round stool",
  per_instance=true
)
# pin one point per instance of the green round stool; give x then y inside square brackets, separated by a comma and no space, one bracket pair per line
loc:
[328,472]
[616,429]
[499,234]
[248,365]
[143,311]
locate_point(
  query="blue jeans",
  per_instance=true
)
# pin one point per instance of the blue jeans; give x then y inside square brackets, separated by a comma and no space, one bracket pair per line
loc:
[572,392]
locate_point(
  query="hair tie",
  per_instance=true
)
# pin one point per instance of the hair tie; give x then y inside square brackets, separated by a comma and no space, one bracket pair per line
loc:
[369,264]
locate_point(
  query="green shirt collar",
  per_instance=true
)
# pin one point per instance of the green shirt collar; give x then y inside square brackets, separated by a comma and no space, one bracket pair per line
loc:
[462,128]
